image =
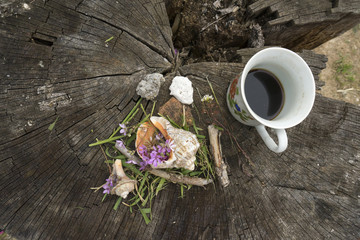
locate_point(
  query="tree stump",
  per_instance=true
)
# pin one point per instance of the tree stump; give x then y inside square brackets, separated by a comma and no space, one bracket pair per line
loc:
[76,63]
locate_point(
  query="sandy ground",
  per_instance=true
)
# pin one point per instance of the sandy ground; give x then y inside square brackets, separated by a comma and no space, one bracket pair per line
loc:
[342,72]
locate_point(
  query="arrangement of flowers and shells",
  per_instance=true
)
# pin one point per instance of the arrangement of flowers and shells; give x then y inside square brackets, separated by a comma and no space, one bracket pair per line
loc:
[143,157]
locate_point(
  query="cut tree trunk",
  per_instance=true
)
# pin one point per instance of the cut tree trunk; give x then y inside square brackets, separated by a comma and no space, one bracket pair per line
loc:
[78,62]
[207,27]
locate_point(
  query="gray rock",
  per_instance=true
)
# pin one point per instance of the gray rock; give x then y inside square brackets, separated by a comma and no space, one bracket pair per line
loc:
[149,87]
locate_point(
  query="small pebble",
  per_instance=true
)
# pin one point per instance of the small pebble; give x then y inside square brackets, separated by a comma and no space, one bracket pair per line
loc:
[149,87]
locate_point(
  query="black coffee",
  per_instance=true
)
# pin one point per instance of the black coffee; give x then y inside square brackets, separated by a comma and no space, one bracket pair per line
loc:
[264,93]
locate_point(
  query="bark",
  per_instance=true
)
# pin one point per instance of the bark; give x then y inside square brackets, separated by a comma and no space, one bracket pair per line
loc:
[219,164]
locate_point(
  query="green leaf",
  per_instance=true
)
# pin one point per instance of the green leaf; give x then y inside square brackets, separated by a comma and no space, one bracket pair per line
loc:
[182,191]
[212,90]
[185,171]
[145,200]
[130,115]
[218,128]
[121,156]
[116,206]
[109,39]
[104,197]
[152,110]
[105,141]
[129,141]
[160,185]
[51,127]
[195,128]
[135,202]
[143,109]
[131,167]
[145,211]
[143,181]
[195,173]
[170,120]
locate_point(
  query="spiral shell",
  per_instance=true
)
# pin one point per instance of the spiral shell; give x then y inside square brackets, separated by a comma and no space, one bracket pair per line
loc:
[186,143]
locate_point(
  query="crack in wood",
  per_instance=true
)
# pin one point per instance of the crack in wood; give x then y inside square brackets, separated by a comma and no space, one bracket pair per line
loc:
[156,50]
[42,42]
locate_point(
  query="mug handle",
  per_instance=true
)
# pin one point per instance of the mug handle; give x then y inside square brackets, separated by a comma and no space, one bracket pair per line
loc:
[269,142]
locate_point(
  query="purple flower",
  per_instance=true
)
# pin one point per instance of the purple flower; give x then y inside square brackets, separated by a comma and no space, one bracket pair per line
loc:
[123,128]
[159,136]
[106,188]
[109,185]
[142,149]
[153,154]
[110,182]
[131,161]
[142,165]
[161,149]
[119,144]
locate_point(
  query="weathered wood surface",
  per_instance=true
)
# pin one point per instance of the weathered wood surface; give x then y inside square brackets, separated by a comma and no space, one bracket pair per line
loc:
[55,63]
[293,24]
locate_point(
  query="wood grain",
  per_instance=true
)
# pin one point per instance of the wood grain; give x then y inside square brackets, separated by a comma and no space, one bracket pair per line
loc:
[56,64]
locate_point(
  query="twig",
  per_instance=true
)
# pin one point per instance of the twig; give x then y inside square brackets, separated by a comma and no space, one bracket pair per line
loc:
[107,161]
[215,147]
[225,12]
[345,91]
[212,23]
[180,178]
[168,176]
[227,128]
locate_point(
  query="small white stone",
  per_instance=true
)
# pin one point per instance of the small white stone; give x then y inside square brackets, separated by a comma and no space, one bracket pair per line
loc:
[217,4]
[26,6]
[181,88]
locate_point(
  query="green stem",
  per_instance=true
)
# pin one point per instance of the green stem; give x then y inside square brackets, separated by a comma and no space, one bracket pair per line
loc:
[128,117]
[105,141]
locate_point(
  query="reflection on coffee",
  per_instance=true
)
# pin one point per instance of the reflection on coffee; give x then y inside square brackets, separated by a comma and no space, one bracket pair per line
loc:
[264,93]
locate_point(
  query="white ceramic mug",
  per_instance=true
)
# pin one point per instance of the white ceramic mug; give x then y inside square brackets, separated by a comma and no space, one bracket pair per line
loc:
[298,86]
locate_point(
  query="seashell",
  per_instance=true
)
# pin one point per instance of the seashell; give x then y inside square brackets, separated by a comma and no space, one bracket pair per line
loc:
[186,143]
[123,184]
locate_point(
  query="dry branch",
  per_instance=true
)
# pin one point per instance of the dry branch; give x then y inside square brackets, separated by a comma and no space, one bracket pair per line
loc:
[168,176]
[215,148]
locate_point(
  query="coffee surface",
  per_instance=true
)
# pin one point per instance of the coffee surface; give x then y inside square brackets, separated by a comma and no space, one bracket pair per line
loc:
[264,93]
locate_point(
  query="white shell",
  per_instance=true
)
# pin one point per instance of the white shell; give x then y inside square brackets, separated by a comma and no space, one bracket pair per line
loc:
[186,146]
[181,88]
[124,184]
